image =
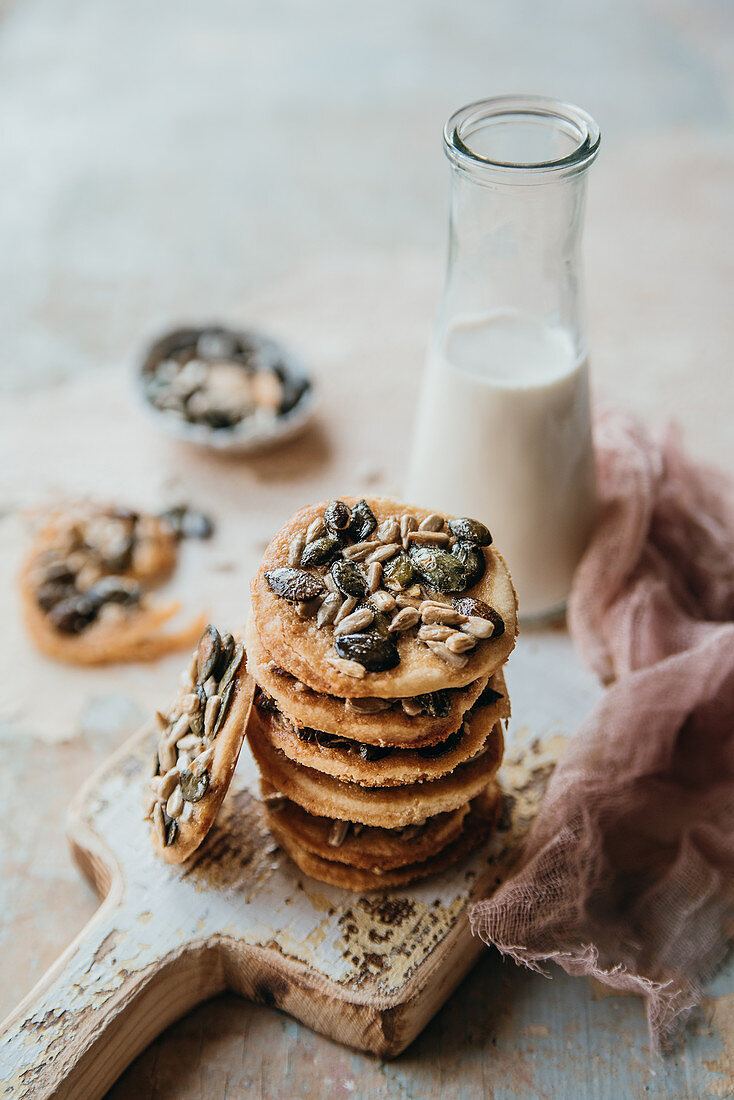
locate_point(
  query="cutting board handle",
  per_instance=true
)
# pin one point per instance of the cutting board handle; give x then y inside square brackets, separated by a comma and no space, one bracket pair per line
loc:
[89,1016]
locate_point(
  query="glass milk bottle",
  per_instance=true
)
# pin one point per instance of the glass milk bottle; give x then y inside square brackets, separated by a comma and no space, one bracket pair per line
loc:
[504,431]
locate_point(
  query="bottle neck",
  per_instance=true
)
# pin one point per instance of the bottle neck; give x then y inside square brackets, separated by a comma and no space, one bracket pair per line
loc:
[515,247]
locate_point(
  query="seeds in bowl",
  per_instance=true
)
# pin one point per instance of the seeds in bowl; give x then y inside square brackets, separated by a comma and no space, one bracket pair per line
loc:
[220,378]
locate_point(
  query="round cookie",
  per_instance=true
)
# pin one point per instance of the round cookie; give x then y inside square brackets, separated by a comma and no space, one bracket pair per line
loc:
[307,650]
[370,846]
[478,825]
[400,766]
[393,726]
[389,807]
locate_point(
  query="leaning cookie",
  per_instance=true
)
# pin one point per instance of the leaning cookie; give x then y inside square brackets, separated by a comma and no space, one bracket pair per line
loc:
[371,598]
[418,720]
[387,807]
[477,826]
[199,743]
[355,762]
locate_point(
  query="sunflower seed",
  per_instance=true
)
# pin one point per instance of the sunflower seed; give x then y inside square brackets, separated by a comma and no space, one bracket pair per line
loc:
[360,550]
[403,600]
[356,622]
[456,660]
[338,833]
[162,720]
[190,703]
[210,714]
[384,553]
[478,627]
[368,705]
[315,529]
[295,550]
[389,530]
[383,601]
[330,583]
[460,643]
[428,538]
[348,668]
[411,707]
[329,609]
[435,613]
[210,687]
[346,609]
[275,801]
[202,761]
[404,620]
[174,806]
[159,824]
[408,523]
[188,811]
[167,755]
[185,758]
[435,633]
[374,576]
[434,522]
[168,783]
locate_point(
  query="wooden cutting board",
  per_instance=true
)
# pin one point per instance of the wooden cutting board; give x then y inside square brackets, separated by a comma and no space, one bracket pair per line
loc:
[366,970]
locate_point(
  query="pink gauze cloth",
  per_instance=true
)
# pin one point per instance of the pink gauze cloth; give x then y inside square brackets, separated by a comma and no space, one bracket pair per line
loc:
[628,875]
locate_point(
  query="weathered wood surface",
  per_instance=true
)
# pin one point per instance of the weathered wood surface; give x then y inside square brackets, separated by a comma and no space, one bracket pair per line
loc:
[281,164]
[366,970]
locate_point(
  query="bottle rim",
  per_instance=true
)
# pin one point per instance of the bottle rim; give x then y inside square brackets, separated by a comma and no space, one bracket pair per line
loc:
[577,126]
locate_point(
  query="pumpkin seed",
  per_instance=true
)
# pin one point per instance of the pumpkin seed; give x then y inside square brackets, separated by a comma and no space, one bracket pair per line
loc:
[374,652]
[473,607]
[438,568]
[349,578]
[72,615]
[171,829]
[436,704]
[363,521]
[398,572]
[53,592]
[295,585]
[308,608]
[473,560]
[320,551]
[337,518]
[226,654]
[430,752]
[193,787]
[470,530]
[210,645]
[373,752]
[381,624]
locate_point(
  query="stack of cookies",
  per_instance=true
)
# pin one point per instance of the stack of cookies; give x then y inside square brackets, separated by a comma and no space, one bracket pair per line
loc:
[376,641]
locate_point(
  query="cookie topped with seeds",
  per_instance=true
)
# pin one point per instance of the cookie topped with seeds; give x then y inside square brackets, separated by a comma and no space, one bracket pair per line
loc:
[199,741]
[372,598]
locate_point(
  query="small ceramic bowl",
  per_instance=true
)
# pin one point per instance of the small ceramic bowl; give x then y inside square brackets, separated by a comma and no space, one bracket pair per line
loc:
[191,363]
